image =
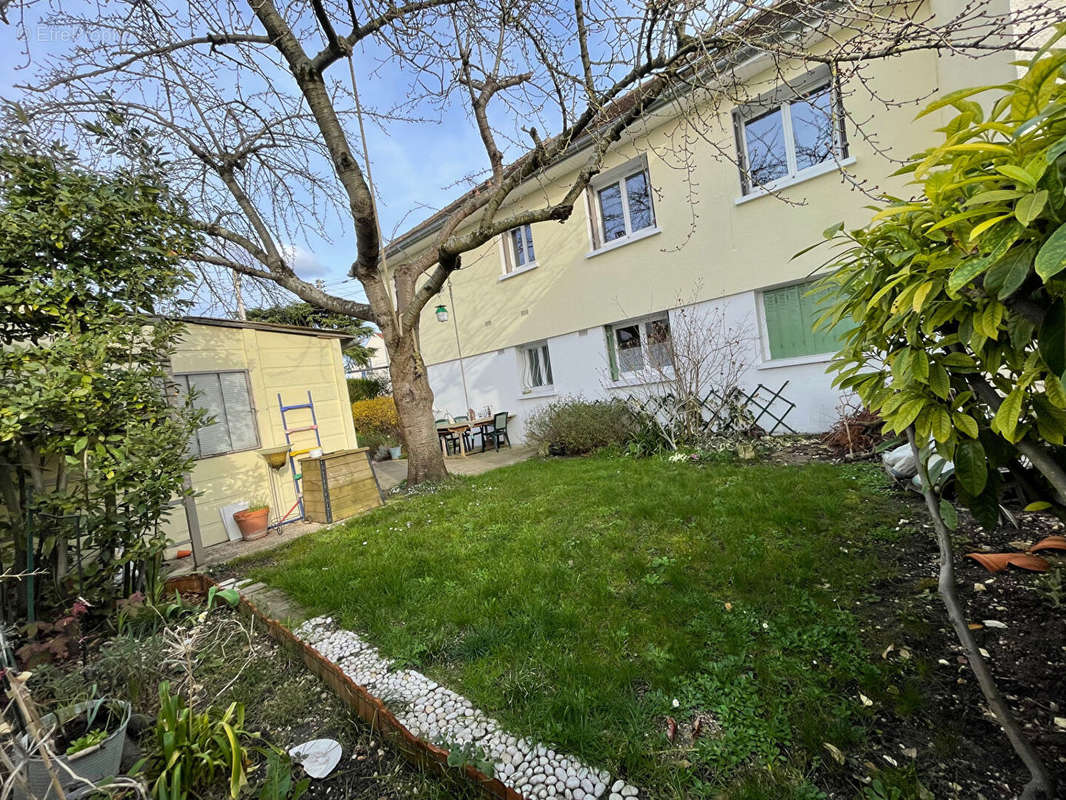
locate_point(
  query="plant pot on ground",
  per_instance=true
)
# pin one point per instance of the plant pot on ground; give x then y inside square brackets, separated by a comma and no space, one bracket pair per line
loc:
[88,739]
[253,521]
[396,452]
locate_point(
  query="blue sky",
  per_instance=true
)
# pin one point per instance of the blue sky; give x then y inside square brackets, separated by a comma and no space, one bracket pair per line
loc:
[415,166]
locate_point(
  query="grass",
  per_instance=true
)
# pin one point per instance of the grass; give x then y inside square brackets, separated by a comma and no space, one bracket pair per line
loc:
[576,600]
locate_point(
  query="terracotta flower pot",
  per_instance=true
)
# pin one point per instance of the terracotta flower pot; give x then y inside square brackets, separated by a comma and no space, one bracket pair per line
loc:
[253,523]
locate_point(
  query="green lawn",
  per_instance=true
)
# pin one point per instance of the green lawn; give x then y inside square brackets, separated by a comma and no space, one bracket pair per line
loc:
[576,599]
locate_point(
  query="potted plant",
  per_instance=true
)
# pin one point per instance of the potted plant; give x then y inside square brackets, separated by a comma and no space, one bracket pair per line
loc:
[253,521]
[88,738]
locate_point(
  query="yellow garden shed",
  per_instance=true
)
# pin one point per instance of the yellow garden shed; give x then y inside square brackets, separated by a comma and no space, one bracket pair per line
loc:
[242,373]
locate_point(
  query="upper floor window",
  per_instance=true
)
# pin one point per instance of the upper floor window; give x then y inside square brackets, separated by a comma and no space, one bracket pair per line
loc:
[789,131]
[621,204]
[518,249]
[227,398]
[633,347]
[536,366]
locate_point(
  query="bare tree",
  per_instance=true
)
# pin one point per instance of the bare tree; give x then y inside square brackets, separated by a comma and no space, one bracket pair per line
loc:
[257,102]
[688,386]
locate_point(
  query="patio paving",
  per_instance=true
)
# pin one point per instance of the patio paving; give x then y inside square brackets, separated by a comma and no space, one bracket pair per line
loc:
[391,473]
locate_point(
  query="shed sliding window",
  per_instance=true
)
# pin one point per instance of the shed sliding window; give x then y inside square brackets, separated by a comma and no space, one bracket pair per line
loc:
[227,399]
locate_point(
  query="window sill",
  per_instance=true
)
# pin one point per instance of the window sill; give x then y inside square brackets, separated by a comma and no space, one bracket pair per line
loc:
[227,453]
[540,391]
[791,180]
[638,379]
[796,361]
[519,271]
[633,237]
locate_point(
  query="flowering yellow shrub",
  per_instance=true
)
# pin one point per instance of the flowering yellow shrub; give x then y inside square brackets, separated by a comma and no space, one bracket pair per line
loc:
[376,415]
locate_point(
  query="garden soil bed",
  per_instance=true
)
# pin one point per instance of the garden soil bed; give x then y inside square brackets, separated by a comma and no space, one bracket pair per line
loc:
[237,661]
[936,723]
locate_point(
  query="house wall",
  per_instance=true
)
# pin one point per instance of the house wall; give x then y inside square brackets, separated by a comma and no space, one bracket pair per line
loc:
[287,363]
[580,368]
[711,247]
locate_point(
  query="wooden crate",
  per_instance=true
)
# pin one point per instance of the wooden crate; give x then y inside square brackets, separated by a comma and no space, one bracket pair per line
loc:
[338,485]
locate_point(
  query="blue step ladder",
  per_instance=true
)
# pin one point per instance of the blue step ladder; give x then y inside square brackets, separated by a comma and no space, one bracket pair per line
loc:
[297,477]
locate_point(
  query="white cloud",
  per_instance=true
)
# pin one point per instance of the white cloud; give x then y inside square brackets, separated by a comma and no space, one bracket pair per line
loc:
[303,262]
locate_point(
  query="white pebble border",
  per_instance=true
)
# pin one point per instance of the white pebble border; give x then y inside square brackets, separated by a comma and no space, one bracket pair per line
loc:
[437,714]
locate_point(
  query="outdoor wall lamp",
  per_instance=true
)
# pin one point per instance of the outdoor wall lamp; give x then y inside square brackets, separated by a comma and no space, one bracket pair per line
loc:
[442,313]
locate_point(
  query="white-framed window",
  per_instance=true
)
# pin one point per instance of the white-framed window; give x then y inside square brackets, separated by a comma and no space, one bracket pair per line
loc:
[536,365]
[640,346]
[620,204]
[227,398]
[518,251]
[789,132]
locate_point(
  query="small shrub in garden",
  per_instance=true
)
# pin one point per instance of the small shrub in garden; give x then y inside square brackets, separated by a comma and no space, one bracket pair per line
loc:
[366,388]
[573,426]
[376,422]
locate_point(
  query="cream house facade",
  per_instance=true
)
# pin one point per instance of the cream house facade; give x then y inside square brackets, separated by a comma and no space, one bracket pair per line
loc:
[582,307]
[242,372]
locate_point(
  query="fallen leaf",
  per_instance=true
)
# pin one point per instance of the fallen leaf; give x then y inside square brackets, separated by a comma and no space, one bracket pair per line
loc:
[983,652]
[994,623]
[975,626]
[904,653]
[866,701]
[979,587]
[1060,722]
[888,650]
[835,752]
[910,752]
[671,728]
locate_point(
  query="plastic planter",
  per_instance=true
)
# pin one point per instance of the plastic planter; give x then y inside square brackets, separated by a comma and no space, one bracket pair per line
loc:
[93,764]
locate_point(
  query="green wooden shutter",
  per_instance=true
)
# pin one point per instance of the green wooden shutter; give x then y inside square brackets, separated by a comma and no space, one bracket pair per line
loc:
[790,316]
[784,324]
[610,352]
[818,341]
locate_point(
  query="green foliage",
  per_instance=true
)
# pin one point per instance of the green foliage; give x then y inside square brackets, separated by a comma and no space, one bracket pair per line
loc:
[469,754]
[305,315]
[572,426]
[278,783]
[955,301]
[87,261]
[91,739]
[1052,586]
[192,751]
[367,388]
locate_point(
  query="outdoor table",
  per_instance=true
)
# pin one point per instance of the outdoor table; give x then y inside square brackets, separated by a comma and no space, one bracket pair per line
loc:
[460,428]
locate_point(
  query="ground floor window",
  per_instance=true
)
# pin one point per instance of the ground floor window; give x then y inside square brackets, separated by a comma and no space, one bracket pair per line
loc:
[536,366]
[789,314]
[227,398]
[634,347]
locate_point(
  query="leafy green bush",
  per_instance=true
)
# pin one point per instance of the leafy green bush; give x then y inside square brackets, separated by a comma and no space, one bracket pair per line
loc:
[573,426]
[955,301]
[367,388]
[193,752]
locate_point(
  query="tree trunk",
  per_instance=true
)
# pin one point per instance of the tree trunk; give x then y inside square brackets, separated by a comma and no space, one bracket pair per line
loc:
[414,404]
